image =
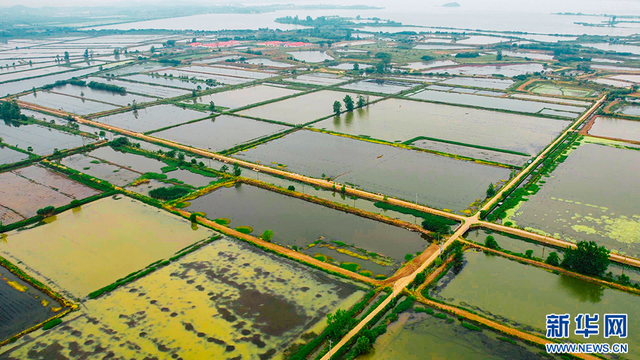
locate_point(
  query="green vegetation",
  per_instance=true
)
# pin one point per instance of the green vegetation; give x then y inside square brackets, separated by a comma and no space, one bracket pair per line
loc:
[467,55]
[587,259]
[244,229]
[471,326]
[348,102]
[553,259]
[47,210]
[51,323]
[267,235]
[491,243]
[107,87]
[351,266]
[10,110]
[491,191]
[438,225]
[337,107]
[169,193]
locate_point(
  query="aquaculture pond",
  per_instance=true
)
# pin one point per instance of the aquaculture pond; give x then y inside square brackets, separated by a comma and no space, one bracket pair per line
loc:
[301,109]
[440,47]
[481,83]
[227,300]
[581,200]
[511,243]
[419,336]
[421,65]
[551,99]
[532,107]
[508,70]
[322,79]
[164,81]
[113,174]
[262,209]
[23,306]
[152,118]
[349,66]
[66,103]
[528,55]
[111,238]
[102,95]
[631,110]
[224,71]
[9,156]
[522,295]
[28,189]
[616,128]
[268,62]
[144,89]
[381,168]
[220,133]
[378,86]
[223,79]
[246,96]
[472,152]
[403,120]
[28,84]
[136,68]
[310,56]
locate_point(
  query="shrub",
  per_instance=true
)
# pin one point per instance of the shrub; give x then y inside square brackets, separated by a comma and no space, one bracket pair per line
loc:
[587,258]
[491,243]
[46,210]
[75,203]
[222,221]
[244,229]
[471,326]
[193,218]
[169,193]
[291,188]
[408,257]
[51,323]
[267,235]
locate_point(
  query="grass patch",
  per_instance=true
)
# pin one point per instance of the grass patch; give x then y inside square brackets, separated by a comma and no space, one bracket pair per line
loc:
[169,168]
[52,323]
[222,221]
[244,229]
[155,176]
[351,266]
[169,193]
[471,326]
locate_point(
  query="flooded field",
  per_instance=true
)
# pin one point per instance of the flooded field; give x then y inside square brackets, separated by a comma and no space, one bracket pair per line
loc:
[25,85]
[225,301]
[144,89]
[481,83]
[132,69]
[508,70]
[528,55]
[511,243]
[246,96]
[321,79]
[599,207]
[381,168]
[26,190]
[152,118]
[418,336]
[66,103]
[550,99]
[220,133]
[102,95]
[310,56]
[349,66]
[616,128]
[421,65]
[223,79]
[224,71]
[22,305]
[631,110]
[474,153]
[493,286]
[261,209]
[378,86]
[9,156]
[402,120]
[440,47]
[111,238]
[113,174]
[301,109]
[531,107]
[268,62]
[162,81]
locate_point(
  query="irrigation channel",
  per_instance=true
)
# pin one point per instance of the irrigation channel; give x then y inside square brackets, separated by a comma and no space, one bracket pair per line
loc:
[407,274]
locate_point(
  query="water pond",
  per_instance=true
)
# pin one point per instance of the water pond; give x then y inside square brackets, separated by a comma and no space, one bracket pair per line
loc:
[479,82]
[220,133]
[246,96]
[145,89]
[9,156]
[508,70]
[321,79]
[310,56]
[381,168]
[163,81]
[42,140]
[66,103]
[102,95]
[112,238]
[378,86]
[151,118]
[268,62]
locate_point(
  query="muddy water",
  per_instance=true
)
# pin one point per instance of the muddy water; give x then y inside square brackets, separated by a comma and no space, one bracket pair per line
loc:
[151,118]
[220,133]
[381,169]
[423,336]
[301,109]
[110,239]
[22,305]
[246,96]
[402,120]
[297,222]
[592,196]
[616,128]
[224,301]
[523,295]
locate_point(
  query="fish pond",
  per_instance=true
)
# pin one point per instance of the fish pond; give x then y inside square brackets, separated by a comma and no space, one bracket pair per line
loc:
[381,168]
[102,95]
[555,89]
[151,118]
[66,103]
[246,96]
[227,300]
[378,86]
[220,133]
[111,238]
[321,79]
[144,89]
[397,120]
[163,81]
[310,56]
[9,156]
[347,233]
[497,84]
[616,128]
[522,295]
[300,109]
[508,70]
[581,200]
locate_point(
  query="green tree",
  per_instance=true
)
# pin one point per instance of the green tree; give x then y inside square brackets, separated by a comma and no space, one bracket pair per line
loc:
[66,56]
[436,224]
[348,102]
[267,235]
[224,169]
[291,188]
[193,218]
[491,243]
[553,259]
[363,345]
[171,153]
[181,156]
[458,259]
[194,93]
[356,67]
[337,106]
[499,55]
[528,254]
[29,149]
[587,258]
[86,53]
[338,324]
[153,49]
[361,101]
[236,169]
[491,191]
[212,106]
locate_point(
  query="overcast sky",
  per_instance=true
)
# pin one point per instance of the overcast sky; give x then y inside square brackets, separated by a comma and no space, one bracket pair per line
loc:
[598,6]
